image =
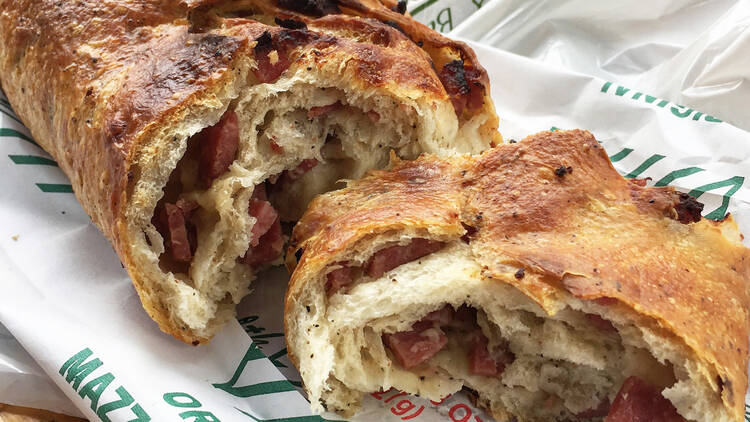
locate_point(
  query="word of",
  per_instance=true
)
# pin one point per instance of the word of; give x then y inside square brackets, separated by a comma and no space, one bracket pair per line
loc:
[185,400]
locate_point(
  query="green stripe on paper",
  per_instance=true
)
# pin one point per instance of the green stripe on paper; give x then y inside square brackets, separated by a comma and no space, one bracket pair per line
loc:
[269,335]
[620,155]
[276,356]
[677,174]
[312,418]
[32,159]
[644,166]
[271,387]
[55,188]
[10,133]
[422,7]
[11,115]
[719,213]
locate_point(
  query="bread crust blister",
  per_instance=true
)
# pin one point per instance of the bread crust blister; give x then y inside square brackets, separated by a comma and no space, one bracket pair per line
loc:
[550,222]
[114,91]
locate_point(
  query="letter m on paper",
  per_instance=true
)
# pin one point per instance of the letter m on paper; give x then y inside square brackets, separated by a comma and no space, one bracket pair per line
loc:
[76,369]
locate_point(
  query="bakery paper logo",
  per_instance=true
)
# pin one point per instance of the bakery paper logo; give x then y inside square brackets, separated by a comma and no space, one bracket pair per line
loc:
[237,389]
[36,158]
[81,367]
[443,16]
[676,109]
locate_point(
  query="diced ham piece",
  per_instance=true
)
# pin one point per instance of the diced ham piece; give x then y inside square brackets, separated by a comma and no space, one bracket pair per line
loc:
[187,207]
[597,412]
[270,66]
[391,257]
[173,226]
[480,361]
[339,278]
[316,112]
[219,144]
[426,338]
[275,147]
[288,176]
[266,242]
[441,317]
[638,401]
[302,168]
[600,323]
[412,348]
[259,193]
[265,214]
[179,245]
[268,249]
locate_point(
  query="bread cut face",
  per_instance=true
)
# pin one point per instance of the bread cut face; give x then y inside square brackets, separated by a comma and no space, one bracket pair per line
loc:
[522,276]
[199,128]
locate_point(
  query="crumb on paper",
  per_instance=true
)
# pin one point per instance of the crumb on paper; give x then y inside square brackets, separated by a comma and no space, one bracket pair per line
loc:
[15,237]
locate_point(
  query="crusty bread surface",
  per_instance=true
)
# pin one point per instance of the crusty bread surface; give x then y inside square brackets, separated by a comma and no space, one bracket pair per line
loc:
[118,91]
[540,237]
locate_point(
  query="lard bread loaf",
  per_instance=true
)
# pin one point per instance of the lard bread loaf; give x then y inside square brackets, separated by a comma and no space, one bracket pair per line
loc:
[533,276]
[192,129]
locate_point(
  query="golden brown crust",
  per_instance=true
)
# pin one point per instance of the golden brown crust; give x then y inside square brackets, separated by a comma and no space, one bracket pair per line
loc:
[440,49]
[96,81]
[554,205]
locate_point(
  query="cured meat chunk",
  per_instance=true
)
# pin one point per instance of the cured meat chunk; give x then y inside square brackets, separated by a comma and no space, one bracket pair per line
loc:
[391,257]
[219,144]
[638,401]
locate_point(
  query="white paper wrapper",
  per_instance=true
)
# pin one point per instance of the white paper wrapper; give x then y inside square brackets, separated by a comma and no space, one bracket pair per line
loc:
[67,300]
[24,383]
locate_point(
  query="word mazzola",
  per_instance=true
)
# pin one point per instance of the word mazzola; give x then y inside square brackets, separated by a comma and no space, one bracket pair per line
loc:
[79,367]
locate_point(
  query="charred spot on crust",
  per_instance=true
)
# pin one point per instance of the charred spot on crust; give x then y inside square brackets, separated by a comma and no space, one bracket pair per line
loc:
[316,8]
[196,342]
[290,23]
[290,38]
[453,76]
[394,25]
[520,273]
[563,170]
[688,209]
[264,42]
[400,7]
[463,85]
[298,253]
